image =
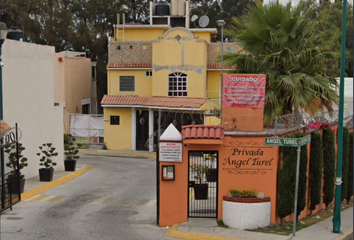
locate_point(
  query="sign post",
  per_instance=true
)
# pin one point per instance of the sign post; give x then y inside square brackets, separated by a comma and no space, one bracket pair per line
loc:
[291,142]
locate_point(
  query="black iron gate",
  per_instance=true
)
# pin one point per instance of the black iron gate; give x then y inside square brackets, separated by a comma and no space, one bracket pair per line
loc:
[10,181]
[142,129]
[203,184]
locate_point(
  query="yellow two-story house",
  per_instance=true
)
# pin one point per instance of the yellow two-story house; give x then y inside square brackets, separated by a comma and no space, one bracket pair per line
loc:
[162,65]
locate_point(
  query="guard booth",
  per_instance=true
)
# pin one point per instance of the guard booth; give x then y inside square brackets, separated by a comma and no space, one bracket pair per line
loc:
[10,180]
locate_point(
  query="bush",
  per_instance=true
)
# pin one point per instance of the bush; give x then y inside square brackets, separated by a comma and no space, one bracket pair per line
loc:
[11,150]
[243,193]
[286,180]
[316,169]
[329,158]
[350,170]
[47,153]
[345,162]
[301,202]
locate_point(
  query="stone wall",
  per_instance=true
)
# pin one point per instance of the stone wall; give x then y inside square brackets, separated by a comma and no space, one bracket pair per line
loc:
[214,50]
[130,52]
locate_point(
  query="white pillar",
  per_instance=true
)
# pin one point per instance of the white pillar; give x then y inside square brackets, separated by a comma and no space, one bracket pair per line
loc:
[151,130]
[133,129]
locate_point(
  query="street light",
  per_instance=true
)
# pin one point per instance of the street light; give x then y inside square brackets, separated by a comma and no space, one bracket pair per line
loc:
[3,33]
[221,23]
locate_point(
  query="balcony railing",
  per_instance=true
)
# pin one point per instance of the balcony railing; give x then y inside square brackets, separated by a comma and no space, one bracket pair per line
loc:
[213,103]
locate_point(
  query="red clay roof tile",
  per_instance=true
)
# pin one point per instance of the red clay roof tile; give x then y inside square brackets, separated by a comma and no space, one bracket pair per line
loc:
[155,101]
[128,65]
[202,132]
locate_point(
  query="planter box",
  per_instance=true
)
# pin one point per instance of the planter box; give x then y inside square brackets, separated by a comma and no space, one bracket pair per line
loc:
[13,186]
[70,165]
[201,191]
[246,213]
[46,174]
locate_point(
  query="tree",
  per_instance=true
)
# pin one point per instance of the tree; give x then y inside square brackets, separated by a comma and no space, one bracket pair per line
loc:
[350,172]
[316,169]
[329,33]
[278,41]
[329,160]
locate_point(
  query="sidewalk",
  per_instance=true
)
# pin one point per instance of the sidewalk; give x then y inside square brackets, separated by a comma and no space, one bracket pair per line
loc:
[199,228]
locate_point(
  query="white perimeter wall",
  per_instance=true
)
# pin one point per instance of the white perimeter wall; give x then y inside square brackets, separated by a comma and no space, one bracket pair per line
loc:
[28,92]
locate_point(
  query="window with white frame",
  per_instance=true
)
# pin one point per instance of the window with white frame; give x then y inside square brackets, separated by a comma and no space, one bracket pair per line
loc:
[148,73]
[177,84]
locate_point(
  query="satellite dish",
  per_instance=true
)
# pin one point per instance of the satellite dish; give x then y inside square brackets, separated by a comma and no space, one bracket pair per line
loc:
[194,17]
[203,21]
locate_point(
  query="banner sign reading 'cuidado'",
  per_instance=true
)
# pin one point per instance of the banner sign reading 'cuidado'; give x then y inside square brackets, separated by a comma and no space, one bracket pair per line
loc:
[244,90]
[170,152]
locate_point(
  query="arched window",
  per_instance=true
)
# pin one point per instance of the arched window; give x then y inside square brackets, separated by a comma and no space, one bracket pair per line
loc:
[177,84]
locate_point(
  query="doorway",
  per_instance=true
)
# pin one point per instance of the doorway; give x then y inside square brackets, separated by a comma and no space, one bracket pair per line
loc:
[203,184]
[142,130]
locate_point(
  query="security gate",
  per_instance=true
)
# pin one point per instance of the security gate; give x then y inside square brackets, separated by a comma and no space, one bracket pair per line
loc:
[10,181]
[203,184]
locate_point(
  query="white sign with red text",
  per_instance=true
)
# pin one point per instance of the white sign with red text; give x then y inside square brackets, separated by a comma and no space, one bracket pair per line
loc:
[170,152]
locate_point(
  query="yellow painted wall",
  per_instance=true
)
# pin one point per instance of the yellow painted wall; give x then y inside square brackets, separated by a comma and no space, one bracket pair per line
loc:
[203,36]
[213,80]
[186,55]
[118,136]
[142,83]
[141,34]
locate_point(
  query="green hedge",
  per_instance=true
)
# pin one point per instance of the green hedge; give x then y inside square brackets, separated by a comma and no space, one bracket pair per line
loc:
[287,179]
[350,169]
[329,165]
[316,169]
[345,162]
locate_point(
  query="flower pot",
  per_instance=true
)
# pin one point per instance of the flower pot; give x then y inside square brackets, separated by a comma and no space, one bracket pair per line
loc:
[46,174]
[70,164]
[13,185]
[201,191]
[212,175]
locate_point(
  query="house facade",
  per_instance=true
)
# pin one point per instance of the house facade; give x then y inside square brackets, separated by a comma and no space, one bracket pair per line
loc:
[73,84]
[164,65]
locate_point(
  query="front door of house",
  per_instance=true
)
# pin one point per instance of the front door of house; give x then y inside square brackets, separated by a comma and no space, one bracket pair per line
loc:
[203,184]
[142,130]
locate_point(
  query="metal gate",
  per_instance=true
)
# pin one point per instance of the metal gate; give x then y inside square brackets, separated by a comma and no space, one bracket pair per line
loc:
[203,184]
[10,181]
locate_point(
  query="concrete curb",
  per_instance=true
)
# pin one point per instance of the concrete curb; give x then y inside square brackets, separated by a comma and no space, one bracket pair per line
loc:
[174,233]
[119,154]
[33,192]
[348,235]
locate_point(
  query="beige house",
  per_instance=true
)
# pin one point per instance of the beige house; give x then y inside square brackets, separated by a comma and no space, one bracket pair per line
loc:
[74,81]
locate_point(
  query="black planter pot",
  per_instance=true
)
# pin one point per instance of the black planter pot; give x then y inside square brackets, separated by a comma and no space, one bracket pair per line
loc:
[70,164]
[201,191]
[212,175]
[13,185]
[46,174]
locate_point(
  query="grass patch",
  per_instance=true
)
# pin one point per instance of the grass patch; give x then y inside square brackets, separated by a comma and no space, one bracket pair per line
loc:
[221,224]
[287,227]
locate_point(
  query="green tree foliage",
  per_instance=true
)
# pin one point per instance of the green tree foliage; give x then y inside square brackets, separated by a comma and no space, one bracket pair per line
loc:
[279,41]
[329,33]
[316,169]
[349,192]
[287,179]
[345,162]
[329,159]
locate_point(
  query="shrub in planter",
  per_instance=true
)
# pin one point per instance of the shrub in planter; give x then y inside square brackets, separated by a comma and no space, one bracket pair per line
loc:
[236,193]
[16,169]
[47,153]
[200,189]
[70,151]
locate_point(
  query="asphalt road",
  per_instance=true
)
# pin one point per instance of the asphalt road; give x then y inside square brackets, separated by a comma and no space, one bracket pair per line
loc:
[115,200]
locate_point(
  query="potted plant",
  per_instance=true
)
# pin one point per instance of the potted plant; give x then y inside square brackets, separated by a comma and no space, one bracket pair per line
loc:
[13,180]
[47,153]
[70,151]
[200,189]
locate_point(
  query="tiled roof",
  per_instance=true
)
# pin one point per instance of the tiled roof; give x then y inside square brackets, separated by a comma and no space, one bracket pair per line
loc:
[202,132]
[3,128]
[128,65]
[149,65]
[155,101]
